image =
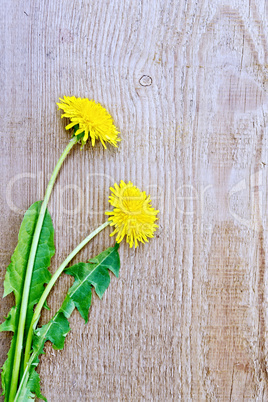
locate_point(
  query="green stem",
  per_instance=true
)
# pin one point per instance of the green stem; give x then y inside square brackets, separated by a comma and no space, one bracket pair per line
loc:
[49,286]
[29,271]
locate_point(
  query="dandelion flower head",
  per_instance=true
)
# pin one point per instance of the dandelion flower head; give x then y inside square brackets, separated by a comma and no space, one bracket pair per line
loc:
[132,216]
[90,119]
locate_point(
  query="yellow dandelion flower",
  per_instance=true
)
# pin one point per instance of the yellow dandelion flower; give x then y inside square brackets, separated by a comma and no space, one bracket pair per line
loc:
[133,216]
[91,119]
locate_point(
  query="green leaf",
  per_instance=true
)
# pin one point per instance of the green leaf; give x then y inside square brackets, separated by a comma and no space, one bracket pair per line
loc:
[7,369]
[32,390]
[26,394]
[54,331]
[15,276]
[94,273]
[34,386]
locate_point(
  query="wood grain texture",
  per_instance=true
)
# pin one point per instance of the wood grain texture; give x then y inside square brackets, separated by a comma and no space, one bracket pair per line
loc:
[186,83]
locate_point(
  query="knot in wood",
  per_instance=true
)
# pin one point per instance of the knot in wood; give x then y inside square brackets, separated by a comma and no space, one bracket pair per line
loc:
[146,81]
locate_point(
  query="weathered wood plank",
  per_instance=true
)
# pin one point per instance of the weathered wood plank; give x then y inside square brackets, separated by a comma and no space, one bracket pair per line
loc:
[187,85]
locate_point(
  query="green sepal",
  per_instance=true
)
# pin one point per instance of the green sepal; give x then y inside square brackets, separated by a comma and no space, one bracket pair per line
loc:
[80,137]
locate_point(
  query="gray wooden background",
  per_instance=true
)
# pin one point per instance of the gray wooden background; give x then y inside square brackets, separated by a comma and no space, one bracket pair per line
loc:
[186,82]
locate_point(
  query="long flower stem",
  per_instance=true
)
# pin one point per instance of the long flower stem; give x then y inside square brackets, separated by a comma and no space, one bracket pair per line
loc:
[29,271]
[49,286]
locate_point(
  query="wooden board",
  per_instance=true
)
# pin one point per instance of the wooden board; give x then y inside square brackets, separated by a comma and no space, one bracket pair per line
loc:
[186,83]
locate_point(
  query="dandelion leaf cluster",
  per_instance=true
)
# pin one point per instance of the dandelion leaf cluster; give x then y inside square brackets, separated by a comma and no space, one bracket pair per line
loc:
[95,274]
[15,277]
